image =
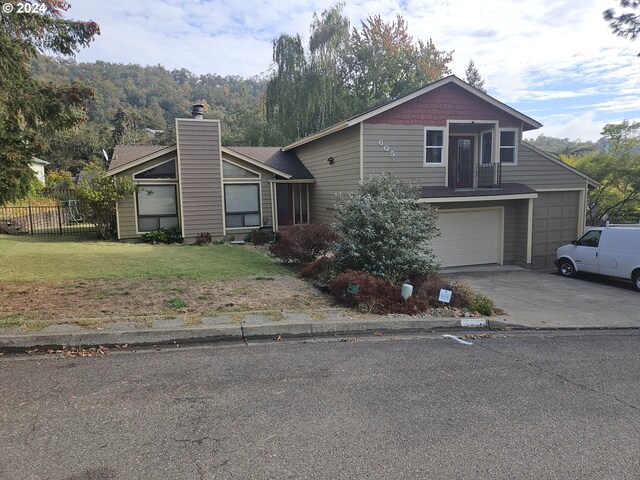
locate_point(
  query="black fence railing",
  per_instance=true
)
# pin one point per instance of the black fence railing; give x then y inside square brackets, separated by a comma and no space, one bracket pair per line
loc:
[484,176]
[63,218]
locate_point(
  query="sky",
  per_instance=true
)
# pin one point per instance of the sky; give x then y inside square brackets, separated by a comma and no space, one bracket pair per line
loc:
[554,60]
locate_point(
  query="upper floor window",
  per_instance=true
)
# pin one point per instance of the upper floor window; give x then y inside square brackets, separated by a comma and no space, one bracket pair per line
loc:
[164,170]
[486,146]
[434,146]
[508,145]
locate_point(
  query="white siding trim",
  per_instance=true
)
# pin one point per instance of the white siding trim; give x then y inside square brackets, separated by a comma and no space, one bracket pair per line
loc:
[361,152]
[530,231]
[517,141]
[179,187]
[445,145]
[118,218]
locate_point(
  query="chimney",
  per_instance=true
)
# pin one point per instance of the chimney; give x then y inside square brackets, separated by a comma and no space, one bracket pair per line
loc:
[198,111]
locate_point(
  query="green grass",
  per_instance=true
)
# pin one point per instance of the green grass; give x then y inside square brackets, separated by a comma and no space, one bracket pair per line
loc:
[31,259]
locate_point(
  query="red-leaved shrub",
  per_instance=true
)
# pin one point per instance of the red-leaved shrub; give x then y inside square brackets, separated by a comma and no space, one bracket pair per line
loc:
[301,244]
[374,294]
[321,269]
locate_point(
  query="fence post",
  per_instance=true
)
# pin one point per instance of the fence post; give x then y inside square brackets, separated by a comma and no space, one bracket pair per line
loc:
[59,219]
[30,221]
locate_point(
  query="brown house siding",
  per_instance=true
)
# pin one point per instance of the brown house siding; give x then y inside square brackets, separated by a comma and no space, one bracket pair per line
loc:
[407,144]
[449,102]
[199,160]
[342,176]
[555,223]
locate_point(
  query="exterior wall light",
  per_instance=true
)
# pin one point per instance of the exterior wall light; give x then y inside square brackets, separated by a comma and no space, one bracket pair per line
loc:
[330,160]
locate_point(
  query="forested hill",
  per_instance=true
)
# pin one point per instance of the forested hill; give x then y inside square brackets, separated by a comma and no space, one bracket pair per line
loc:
[149,97]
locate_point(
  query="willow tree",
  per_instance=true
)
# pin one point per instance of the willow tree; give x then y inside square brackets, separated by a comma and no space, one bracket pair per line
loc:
[31,109]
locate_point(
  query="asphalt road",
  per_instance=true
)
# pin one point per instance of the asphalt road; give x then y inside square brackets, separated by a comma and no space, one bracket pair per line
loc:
[545,405]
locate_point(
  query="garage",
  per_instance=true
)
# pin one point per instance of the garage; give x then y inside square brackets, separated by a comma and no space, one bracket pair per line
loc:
[469,236]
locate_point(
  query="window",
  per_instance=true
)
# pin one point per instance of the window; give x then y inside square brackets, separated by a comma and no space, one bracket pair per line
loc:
[590,239]
[242,205]
[164,170]
[486,144]
[157,207]
[508,146]
[229,170]
[434,146]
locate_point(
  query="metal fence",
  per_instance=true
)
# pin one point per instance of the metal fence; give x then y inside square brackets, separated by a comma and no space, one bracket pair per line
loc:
[64,218]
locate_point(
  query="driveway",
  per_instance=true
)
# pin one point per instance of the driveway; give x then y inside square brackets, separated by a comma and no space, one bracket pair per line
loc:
[543,299]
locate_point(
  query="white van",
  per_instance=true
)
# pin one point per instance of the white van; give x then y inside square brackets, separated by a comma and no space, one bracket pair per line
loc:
[611,250]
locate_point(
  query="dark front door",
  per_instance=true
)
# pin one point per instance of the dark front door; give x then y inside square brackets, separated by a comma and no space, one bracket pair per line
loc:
[461,162]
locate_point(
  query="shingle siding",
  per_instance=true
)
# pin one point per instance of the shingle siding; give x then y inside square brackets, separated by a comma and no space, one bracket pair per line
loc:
[200,185]
[342,176]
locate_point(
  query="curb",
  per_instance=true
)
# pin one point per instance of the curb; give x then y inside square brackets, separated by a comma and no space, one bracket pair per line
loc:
[240,332]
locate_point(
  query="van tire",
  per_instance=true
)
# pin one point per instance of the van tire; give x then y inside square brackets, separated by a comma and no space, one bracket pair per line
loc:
[566,268]
[636,279]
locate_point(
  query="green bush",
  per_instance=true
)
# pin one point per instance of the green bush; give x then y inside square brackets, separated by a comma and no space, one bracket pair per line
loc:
[483,305]
[384,230]
[163,235]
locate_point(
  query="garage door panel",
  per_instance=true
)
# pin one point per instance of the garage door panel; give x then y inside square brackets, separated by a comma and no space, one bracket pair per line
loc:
[555,223]
[468,237]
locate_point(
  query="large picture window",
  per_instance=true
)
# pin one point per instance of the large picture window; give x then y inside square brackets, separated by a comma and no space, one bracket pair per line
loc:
[157,207]
[508,142]
[434,146]
[242,205]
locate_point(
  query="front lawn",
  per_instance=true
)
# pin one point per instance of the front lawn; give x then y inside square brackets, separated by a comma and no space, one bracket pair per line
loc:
[28,259]
[47,280]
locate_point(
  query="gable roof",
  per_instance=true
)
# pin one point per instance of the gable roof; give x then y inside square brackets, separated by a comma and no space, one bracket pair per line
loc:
[591,181]
[123,154]
[274,157]
[451,79]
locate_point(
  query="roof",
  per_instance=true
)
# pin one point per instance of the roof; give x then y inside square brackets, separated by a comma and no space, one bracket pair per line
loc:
[39,161]
[506,189]
[361,117]
[274,157]
[124,154]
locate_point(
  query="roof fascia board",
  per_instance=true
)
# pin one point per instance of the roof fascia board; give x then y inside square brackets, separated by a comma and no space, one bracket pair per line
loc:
[141,160]
[316,136]
[484,198]
[255,163]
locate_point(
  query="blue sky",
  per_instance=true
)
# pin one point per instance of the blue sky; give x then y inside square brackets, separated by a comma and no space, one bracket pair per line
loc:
[556,61]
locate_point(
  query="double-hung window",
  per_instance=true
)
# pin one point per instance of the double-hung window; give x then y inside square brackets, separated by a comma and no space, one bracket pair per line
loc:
[242,205]
[508,145]
[157,207]
[434,146]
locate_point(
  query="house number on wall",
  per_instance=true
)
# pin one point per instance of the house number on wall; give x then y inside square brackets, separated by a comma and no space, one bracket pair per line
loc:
[386,148]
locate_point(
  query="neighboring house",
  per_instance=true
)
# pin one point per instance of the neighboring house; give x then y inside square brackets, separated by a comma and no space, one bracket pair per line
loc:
[500,200]
[37,166]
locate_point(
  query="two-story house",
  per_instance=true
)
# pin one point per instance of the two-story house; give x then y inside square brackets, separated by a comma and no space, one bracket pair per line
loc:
[499,199]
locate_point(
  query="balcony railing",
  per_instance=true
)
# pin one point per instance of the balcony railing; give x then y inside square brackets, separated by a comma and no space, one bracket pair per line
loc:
[483,176]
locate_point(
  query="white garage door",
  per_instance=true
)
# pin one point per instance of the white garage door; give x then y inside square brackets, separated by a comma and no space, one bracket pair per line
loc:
[468,237]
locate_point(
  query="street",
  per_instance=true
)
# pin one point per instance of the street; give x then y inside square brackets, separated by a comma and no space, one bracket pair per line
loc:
[512,405]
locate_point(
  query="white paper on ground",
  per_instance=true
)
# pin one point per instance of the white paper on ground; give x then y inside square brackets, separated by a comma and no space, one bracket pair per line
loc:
[459,340]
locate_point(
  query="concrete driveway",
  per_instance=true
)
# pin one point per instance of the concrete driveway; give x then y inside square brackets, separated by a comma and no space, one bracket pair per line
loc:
[543,299]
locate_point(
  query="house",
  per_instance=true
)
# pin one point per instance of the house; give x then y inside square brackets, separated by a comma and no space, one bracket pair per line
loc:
[37,166]
[499,199]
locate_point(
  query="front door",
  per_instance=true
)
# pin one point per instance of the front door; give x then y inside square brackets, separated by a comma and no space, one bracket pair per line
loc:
[461,162]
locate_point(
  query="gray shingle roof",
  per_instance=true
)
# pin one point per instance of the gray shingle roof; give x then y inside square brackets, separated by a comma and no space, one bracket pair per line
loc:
[123,154]
[274,157]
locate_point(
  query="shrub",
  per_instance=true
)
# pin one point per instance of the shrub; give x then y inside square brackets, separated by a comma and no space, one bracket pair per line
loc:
[384,230]
[163,235]
[301,244]
[203,238]
[483,305]
[258,237]
[374,295]
[321,269]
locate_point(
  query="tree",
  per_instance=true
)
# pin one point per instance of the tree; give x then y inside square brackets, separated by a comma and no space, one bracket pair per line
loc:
[99,194]
[384,230]
[30,109]
[473,78]
[617,198]
[627,23]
